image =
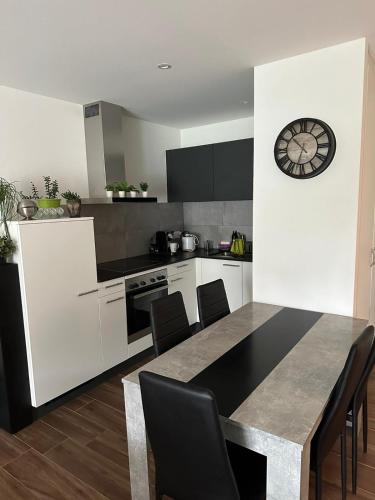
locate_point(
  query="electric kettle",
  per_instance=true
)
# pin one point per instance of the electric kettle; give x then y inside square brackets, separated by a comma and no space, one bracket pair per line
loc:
[189,242]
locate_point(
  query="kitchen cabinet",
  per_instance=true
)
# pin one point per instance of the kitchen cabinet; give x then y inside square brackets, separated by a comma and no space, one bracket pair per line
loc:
[190,174]
[233,170]
[222,171]
[113,328]
[231,273]
[57,269]
[185,282]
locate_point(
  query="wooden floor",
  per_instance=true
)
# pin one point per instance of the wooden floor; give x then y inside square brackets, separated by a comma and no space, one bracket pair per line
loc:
[79,451]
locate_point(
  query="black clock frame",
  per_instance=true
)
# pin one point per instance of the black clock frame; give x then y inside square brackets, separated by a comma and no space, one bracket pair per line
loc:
[331,147]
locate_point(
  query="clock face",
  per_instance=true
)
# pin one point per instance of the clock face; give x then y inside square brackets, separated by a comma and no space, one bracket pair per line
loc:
[305,148]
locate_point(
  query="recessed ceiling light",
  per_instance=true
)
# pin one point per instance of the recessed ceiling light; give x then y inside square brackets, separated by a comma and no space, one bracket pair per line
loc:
[164,66]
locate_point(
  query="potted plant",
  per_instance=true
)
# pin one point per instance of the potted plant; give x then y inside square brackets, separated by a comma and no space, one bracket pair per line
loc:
[7,248]
[133,191]
[50,199]
[110,189]
[122,187]
[9,198]
[73,203]
[144,189]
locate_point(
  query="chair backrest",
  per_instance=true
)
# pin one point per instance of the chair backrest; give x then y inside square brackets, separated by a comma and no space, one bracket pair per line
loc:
[334,418]
[360,391]
[169,322]
[212,302]
[182,423]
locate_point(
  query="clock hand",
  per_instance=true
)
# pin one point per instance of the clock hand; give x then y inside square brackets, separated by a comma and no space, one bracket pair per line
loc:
[298,144]
[302,150]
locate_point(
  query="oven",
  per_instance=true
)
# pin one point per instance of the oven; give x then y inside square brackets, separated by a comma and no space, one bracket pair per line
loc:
[140,292]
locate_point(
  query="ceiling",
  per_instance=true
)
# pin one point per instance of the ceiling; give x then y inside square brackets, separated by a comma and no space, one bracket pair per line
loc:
[88,50]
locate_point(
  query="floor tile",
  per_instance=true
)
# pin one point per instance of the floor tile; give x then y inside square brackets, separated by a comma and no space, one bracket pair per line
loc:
[10,447]
[46,480]
[73,425]
[11,489]
[110,395]
[111,446]
[77,403]
[41,436]
[105,416]
[105,476]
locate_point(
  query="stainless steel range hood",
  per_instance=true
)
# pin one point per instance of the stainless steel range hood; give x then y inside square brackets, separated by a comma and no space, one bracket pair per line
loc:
[104,146]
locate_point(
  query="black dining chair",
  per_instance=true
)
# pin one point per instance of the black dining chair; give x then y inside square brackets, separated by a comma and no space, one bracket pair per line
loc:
[169,322]
[192,458]
[360,400]
[333,422]
[212,302]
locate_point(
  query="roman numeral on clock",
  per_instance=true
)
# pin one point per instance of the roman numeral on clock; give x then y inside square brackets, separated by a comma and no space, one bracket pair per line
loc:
[320,156]
[284,160]
[290,167]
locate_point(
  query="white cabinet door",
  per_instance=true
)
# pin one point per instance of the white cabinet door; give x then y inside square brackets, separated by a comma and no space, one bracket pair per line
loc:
[247,282]
[60,299]
[231,273]
[185,283]
[113,329]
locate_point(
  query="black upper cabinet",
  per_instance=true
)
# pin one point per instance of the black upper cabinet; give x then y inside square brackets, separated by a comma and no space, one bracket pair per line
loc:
[233,170]
[222,171]
[190,174]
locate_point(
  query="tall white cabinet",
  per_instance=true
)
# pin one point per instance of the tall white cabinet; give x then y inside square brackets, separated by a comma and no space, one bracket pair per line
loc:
[57,268]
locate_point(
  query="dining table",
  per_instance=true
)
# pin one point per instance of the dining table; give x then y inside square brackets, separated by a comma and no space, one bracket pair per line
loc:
[272,370]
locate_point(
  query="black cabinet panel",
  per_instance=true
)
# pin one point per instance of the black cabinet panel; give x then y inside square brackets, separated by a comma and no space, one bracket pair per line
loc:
[233,170]
[190,174]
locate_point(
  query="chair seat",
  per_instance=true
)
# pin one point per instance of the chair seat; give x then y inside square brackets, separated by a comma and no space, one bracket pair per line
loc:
[250,471]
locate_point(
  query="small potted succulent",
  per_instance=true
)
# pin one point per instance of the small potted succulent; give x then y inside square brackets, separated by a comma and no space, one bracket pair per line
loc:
[144,189]
[50,200]
[7,248]
[110,189]
[133,191]
[73,203]
[122,187]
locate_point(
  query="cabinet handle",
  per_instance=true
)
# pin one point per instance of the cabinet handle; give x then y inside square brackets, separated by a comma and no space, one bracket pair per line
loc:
[114,300]
[81,294]
[176,279]
[231,265]
[182,265]
[114,284]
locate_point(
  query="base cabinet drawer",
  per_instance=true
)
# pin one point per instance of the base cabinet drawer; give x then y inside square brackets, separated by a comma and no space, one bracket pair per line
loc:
[231,274]
[112,310]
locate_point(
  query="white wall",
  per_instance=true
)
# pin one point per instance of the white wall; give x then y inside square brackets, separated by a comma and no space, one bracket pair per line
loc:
[218,132]
[145,144]
[366,199]
[41,136]
[305,230]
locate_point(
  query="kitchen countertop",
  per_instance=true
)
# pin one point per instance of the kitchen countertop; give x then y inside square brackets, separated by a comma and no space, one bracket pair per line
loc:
[132,265]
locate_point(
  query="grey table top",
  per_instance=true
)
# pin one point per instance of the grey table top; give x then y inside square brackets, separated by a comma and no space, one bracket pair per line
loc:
[291,399]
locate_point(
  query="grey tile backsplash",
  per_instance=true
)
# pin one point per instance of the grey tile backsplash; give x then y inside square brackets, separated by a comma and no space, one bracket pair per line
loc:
[124,229]
[216,220]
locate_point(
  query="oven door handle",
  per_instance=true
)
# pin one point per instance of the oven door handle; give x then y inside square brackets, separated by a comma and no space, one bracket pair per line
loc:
[150,292]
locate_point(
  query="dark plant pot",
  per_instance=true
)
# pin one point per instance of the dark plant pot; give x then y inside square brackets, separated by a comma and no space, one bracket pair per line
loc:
[2,260]
[74,208]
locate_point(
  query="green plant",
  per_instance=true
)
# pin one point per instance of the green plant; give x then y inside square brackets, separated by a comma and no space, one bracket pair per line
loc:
[110,187]
[143,186]
[9,198]
[133,188]
[70,196]
[34,193]
[7,247]
[122,186]
[51,187]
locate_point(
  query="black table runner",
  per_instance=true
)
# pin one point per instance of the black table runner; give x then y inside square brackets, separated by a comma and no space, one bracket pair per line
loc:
[235,375]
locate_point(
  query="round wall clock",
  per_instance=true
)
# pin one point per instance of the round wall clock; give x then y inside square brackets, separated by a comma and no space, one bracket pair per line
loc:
[305,148]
